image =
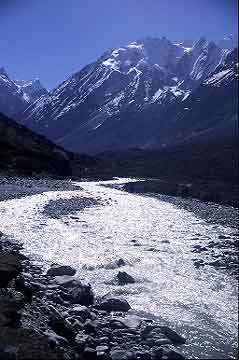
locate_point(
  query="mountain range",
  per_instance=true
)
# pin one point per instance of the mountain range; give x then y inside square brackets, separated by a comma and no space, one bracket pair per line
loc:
[16,95]
[152,93]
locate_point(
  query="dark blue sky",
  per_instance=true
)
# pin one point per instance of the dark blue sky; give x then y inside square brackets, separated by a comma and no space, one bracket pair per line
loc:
[50,39]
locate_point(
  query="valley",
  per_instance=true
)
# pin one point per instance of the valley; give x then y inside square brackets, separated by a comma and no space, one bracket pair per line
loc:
[119,200]
[159,243]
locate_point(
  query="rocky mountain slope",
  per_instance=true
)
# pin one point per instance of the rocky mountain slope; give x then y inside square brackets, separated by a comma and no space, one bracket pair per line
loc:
[128,98]
[15,95]
[22,151]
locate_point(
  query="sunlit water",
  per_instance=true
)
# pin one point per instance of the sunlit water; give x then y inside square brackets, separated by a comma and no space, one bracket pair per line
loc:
[200,304]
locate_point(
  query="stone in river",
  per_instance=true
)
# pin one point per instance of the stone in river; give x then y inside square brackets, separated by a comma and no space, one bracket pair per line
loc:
[56,270]
[198,262]
[123,278]
[172,335]
[114,304]
[129,321]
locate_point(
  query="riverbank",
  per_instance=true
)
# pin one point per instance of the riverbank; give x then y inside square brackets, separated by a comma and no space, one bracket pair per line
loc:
[205,191]
[57,316]
[102,242]
[18,186]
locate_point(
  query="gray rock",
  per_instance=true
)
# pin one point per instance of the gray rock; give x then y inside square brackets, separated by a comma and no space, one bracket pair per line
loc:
[102,350]
[81,340]
[59,325]
[129,321]
[173,336]
[55,339]
[65,281]
[82,294]
[116,264]
[123,278]
[199,262]
[81,311]
[114,304]
[56,270]
[85,340]
[199,248]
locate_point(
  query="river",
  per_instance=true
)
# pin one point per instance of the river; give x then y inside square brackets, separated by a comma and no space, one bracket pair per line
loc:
[155,239]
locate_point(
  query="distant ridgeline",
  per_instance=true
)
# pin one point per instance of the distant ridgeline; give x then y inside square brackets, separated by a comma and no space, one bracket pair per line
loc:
[149,94]
[175,104]
[23,152]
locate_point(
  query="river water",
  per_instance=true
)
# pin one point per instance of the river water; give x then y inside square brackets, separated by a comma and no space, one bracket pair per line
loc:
[155,239]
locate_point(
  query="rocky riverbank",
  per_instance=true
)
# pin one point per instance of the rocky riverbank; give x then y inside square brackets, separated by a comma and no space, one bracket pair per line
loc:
[55,315]
[221,193]
[17,187]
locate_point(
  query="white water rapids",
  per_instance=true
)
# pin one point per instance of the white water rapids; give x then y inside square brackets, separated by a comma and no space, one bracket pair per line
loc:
[155,238]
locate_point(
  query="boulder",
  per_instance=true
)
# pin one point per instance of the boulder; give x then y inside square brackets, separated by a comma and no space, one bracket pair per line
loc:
[81,294]
[66,281]
[82,341]
[81,311]
[57,270]
[198,262]
[102,350]
[173,336]
[116,264]
[114,304]
[128,322]
[54,339]
[59,325]
[123,278]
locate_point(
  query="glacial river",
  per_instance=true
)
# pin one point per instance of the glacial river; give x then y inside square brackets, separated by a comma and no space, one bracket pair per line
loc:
[155,239]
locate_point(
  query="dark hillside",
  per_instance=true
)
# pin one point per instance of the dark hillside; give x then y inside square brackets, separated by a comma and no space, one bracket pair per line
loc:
[24,152]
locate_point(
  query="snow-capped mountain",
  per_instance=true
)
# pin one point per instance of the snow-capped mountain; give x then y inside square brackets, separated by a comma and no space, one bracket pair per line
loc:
[127,97]
[210,111]
[16,95]
[30,90]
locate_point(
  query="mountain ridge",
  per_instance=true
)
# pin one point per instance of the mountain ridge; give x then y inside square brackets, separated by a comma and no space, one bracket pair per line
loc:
[121,81]
[16,95]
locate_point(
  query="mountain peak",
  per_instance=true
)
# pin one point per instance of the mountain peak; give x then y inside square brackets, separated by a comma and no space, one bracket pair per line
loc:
[3,71]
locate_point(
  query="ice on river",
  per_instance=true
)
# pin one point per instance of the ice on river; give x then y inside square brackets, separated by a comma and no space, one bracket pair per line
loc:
[155,238]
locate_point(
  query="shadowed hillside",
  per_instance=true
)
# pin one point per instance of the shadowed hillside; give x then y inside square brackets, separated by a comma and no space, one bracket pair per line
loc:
[24,152]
